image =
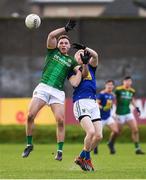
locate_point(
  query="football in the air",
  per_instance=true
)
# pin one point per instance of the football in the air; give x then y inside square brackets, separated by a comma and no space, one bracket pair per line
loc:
[32,21]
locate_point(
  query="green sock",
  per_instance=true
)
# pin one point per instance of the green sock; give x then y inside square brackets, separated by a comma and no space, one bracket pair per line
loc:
[60,146]
[137,146]
[29,139]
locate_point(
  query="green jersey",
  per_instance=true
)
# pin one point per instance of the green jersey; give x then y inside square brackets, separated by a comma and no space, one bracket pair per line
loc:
[123,98]
[56,69]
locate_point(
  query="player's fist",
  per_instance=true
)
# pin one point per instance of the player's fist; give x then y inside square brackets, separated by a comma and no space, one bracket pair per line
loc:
[70,25]
[78,46]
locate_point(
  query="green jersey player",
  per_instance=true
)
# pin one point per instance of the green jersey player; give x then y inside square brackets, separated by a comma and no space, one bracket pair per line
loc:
[50,90]
[124,97]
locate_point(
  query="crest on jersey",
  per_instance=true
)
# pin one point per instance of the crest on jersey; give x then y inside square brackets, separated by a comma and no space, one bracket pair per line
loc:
[69,60]
[84,110]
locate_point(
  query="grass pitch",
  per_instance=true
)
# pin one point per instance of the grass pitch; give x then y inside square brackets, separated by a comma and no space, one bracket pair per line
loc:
[41,164]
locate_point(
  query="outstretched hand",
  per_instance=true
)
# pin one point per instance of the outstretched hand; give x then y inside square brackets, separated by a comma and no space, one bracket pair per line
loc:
[78,46]
[70,25]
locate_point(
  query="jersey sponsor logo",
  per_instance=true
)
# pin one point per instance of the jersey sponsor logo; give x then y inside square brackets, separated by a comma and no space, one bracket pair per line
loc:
[69,60]
[62,60]
[108,105]
[126,95]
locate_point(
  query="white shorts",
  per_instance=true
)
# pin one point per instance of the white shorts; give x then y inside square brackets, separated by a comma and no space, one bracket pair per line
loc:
[49,94]
[124,118]
[87,107]
[108,121]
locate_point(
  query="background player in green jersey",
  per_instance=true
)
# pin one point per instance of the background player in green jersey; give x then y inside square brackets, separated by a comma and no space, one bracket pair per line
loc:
[124,97]
[50,90]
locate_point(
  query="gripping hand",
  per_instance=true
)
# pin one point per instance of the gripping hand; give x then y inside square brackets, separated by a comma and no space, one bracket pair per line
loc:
[85,57]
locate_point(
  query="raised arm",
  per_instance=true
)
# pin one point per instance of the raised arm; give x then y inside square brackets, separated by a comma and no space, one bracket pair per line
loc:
[52,37]
[85,57]
[94,59]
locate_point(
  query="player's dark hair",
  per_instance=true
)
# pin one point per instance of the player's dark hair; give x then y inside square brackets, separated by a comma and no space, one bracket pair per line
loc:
[63,37]
[127,77]
[110,81]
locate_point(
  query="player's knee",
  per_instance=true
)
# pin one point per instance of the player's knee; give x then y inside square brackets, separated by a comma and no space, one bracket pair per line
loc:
[119,131]
[59,117]
[91,133]
[116,132]
[60,122]
[135,131]
[98,137]
[30,117]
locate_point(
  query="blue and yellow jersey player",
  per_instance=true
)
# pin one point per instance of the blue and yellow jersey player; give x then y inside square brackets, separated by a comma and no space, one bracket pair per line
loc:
[85,108]
[105,100]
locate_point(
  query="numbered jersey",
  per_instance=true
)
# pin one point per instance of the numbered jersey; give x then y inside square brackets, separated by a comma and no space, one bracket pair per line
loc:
[56,69]
[87,87]
[123,98]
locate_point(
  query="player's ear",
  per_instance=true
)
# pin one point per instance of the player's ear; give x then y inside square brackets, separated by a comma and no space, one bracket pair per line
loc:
[57,44]
[69,45]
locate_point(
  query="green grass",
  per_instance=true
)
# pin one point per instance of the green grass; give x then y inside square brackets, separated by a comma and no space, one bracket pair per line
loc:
[41,164]
[47,134]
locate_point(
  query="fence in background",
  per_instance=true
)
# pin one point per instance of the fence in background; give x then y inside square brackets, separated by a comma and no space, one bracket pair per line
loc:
[120,43]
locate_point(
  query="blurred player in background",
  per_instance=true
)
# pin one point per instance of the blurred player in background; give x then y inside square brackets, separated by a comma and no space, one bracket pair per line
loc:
[105,100]
[124,97]
[50,90]
[85,108]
